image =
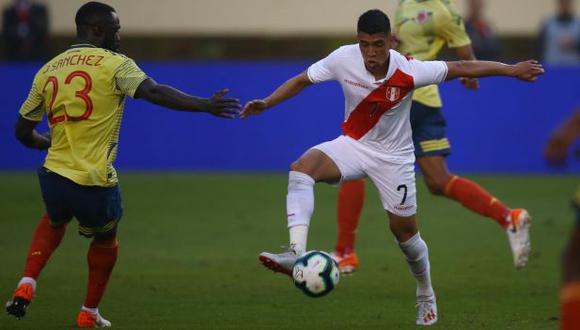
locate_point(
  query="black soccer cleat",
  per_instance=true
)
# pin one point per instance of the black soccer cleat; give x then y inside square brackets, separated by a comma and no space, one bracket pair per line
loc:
[17,307]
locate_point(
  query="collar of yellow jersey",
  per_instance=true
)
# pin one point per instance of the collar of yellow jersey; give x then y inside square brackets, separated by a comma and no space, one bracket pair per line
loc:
[83,46]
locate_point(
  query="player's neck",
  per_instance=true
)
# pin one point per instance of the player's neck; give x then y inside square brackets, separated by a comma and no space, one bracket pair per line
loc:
[86,41]
[380,72]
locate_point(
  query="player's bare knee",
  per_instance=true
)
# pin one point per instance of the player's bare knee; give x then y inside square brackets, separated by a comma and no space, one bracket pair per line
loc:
[312,163]
[302,166]
[108,242]
[436,185]
[404,234]
[404,228]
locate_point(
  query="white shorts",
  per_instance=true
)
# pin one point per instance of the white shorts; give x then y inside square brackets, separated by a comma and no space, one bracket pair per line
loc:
[395,180]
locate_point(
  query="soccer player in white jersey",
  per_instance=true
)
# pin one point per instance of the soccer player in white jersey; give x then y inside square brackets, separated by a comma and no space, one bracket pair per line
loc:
[378,84]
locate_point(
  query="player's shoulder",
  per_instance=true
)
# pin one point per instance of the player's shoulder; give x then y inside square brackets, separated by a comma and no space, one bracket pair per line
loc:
[86,55]
[105,57]
[114,58]
[447,8]
[403,63]
[399,59]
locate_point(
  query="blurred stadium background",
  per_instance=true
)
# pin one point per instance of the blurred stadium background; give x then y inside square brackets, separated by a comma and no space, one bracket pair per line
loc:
[207,195]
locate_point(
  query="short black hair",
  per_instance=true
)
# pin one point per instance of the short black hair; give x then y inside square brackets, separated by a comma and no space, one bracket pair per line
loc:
[92,13]
[374,21]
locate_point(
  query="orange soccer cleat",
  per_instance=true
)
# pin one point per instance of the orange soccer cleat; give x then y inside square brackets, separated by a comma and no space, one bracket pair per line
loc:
[20,300]
[88,319]
[347,262]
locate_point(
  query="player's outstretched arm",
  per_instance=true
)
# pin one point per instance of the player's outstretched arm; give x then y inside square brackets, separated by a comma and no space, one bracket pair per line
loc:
[175,99]
[465,53]
[28,136]
[287,90]
[526,71]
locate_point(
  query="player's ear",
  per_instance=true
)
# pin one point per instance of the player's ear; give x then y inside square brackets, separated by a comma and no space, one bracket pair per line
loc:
[390,41]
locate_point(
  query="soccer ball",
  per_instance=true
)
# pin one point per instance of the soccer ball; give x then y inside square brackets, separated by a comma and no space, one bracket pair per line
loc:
[315,273]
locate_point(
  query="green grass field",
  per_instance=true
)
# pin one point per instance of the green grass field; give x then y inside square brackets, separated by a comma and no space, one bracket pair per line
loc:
[189,246]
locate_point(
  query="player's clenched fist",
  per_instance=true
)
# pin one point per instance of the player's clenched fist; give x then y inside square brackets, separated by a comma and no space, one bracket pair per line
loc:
[528,70]
[253,108]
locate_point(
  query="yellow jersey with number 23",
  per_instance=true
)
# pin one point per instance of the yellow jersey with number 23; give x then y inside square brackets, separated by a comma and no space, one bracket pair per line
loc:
[82,91]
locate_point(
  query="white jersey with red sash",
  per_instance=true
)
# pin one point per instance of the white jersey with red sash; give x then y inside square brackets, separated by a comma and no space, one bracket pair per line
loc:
[377,111]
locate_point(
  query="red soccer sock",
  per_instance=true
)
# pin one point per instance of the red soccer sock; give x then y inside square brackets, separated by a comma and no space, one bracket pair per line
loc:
[350,203]
[101,258]
[570,306]
[44,241]
[474,197]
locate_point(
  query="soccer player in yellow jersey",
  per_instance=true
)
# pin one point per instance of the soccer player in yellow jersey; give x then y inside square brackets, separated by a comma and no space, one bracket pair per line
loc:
[422,28]
[82,93]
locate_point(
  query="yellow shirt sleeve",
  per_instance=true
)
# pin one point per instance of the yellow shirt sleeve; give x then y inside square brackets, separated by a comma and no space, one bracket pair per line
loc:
[128,77]
[32,108]
[450,26]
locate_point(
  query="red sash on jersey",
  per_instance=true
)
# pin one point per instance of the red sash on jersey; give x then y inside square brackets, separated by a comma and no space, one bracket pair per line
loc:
[369,111]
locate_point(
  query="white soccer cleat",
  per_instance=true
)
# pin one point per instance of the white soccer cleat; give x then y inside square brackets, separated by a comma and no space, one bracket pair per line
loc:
[518,233]
[281,262]
[102,323]
[426,310]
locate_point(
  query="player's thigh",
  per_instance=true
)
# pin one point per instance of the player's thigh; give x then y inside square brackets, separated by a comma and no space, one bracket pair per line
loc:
[56,195]
[396,185]
[429,131]
[98,211]
[340,160]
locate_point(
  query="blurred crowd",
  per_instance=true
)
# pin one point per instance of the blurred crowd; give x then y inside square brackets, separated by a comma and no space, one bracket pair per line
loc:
[25,32]
[558,42]
[25,28]
[560,36]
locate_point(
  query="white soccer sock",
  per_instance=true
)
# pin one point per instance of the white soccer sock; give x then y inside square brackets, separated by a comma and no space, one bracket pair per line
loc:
[90,310]
[417,254]
[299,207]
[298,238]
[28,280]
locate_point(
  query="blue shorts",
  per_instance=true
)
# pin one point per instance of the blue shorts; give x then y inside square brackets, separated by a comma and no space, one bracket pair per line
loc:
[428,125]
[97,209]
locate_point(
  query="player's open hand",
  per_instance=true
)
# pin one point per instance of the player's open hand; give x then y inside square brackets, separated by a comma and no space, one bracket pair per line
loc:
[528,70]
[223,107]
[253,108]
[469,83]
